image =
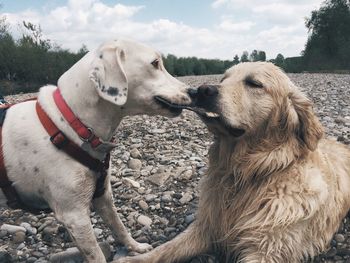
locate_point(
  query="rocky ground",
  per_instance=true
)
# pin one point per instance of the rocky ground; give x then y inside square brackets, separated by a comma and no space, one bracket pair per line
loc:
[156,170]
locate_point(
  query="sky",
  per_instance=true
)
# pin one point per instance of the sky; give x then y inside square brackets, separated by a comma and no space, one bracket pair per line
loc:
[201,28]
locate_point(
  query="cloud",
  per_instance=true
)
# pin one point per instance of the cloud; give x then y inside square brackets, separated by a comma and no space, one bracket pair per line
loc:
[228,25]
[275,27]
[91,22]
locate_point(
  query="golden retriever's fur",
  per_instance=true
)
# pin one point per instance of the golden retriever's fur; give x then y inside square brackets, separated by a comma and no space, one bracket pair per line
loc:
[275,194]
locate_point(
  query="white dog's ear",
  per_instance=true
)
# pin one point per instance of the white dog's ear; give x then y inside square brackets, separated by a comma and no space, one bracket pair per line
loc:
[308,128]
[108,76]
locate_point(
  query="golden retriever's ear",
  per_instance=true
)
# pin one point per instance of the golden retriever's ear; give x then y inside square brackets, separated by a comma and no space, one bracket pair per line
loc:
[308,128]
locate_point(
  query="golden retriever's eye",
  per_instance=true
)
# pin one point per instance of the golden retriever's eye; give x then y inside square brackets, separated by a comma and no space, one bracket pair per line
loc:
[249,81]
[224,77]
[155,63]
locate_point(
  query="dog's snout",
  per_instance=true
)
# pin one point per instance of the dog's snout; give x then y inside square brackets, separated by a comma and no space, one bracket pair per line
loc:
[208,91]
[192,92]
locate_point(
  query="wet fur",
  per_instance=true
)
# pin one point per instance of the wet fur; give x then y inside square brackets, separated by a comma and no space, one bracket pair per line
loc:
[278,194]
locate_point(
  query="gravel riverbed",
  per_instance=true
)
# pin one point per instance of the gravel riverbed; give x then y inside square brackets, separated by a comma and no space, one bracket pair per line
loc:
[156,169]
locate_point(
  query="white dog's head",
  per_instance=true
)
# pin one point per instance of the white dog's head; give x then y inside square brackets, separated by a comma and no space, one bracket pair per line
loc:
[133,76]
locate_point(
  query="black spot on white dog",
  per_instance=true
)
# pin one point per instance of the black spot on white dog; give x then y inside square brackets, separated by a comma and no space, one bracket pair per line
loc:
[77,84]
[25,143]
[36,169]
[96,68]
[113,91]
[124,89]
[61,119]
[103,88]
[35,151]
[101,56]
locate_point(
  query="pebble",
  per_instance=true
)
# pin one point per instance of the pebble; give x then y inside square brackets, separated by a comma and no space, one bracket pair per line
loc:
[144,220]
[144,206]
[11,229]
[18,237]
[5,257]
[339,238]
[131,183]
[135,164]
[135,153]
[187,197]
[189,219]
[30,230]
[98,232]
[159,178]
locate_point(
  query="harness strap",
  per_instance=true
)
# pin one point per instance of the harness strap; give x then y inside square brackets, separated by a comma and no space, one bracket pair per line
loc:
[59,139]
[85,133]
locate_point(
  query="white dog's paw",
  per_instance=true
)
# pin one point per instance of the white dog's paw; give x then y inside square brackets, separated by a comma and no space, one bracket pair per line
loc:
[139,247]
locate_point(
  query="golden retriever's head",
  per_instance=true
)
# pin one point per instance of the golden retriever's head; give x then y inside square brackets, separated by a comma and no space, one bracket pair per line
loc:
[257,99]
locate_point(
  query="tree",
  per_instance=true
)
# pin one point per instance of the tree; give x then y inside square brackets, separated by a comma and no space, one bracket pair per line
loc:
[235,60]
[245,56]
[328,43]
[83,50]
[279,60]
[254,56]
[261,55]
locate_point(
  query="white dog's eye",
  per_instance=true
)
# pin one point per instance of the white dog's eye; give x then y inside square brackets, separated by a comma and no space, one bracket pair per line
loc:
[155,63]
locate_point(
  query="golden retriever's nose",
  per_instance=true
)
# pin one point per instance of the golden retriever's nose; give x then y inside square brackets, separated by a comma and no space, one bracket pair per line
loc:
[208,91]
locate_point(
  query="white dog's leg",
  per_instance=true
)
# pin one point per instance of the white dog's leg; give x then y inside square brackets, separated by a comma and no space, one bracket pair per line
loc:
[104,206]
[79,226]
[186,245]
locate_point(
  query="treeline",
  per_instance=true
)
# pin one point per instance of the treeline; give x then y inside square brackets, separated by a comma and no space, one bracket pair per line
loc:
[31,61]
[184,66]
[328,44]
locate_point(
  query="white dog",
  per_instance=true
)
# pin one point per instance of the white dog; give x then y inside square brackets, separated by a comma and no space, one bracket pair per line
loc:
[119,78]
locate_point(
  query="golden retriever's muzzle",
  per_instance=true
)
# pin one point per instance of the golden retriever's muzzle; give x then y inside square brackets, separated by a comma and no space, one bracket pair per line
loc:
[206,104]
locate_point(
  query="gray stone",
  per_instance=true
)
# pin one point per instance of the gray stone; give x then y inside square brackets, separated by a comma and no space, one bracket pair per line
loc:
[135,153]
[135,164]
[30,230]
[5,257]
[11,229]
[98,232]
[18,237]
[339,238]
[187,197]
[159,178]
[143,205]
[131,183]
[150,197]
[144,220]
[74,256]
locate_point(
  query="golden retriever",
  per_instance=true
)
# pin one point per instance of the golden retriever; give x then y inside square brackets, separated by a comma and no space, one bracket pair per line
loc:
[275,191]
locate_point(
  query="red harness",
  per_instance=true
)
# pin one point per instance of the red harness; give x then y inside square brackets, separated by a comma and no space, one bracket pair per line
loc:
[60,141]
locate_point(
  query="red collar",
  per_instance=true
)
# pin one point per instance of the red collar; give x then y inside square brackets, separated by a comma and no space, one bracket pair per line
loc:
[85,133]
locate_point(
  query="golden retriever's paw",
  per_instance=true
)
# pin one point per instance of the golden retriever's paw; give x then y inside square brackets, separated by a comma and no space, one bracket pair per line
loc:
[139,247]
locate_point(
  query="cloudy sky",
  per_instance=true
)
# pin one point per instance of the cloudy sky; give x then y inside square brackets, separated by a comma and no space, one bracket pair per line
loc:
[202,28]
